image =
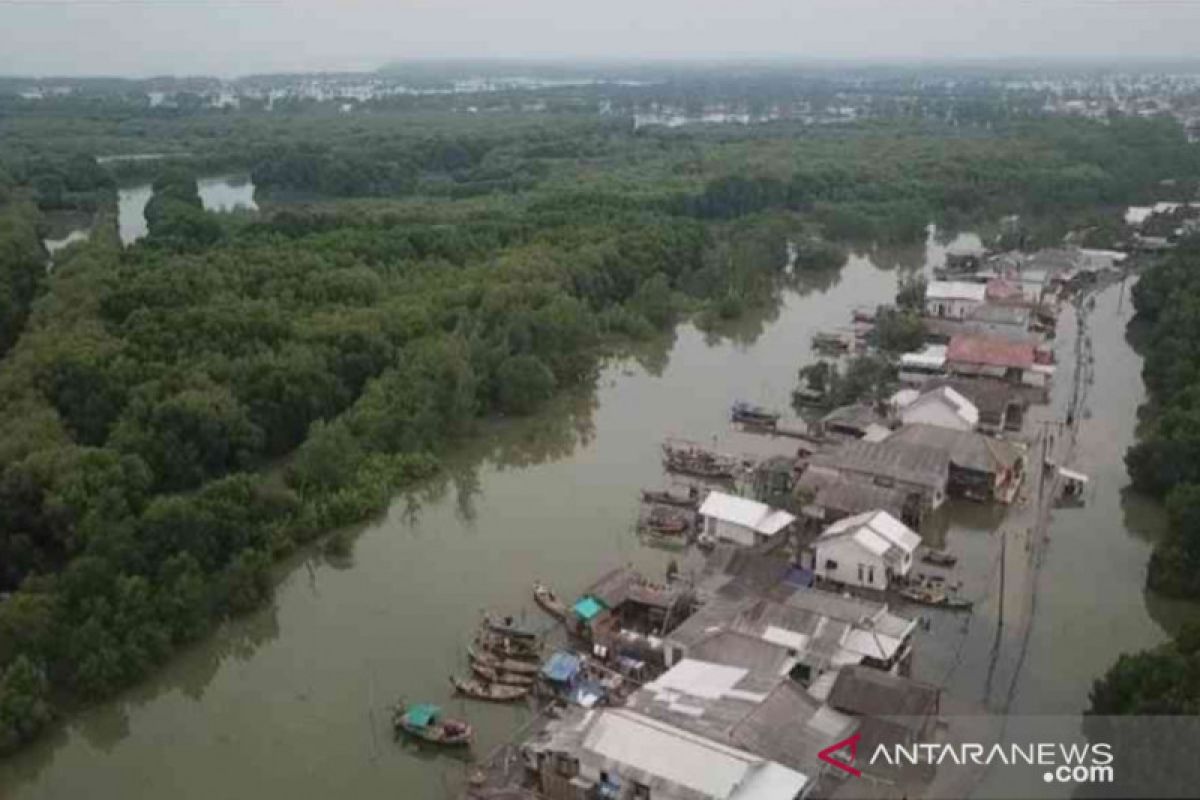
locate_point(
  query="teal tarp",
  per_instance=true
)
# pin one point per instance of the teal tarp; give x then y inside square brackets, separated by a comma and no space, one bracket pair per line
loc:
[422,715]
[587,608]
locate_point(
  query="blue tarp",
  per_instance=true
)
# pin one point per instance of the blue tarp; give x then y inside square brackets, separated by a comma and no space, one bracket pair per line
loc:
[798,576]
[588,607]
[562,667]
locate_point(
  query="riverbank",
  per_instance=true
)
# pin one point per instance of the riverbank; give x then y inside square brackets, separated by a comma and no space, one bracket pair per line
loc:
[552,497]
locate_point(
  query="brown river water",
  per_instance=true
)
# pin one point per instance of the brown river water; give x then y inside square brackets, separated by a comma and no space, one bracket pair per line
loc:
[289,702]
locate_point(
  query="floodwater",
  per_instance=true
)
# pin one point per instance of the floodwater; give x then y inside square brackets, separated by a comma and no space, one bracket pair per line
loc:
[288,702]
[219,193]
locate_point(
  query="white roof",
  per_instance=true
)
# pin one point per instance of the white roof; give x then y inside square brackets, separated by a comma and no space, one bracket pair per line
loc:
[1136,215]
[962,407]
[903,398]
[688,760]
[1073,475]
[747,513]
[956,290]
[699,679]
[932,356]
[875,531]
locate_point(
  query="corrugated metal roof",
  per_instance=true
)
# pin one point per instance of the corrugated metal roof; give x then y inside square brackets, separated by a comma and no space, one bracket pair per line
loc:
[877,531]
[956,290]
[990,350]
[745,512]
[899,460]
[683,758]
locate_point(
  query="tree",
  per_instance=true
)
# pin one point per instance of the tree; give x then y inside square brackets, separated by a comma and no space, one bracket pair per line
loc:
[524,383]
[24,708]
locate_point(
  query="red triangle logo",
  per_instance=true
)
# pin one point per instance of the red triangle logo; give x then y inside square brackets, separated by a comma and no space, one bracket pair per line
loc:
[850,744]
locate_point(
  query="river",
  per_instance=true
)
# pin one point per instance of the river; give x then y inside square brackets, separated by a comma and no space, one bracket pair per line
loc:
[218,193]
[286,702]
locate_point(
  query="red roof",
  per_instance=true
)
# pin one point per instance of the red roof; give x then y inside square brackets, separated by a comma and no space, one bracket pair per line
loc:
[990,351]
[1002,290]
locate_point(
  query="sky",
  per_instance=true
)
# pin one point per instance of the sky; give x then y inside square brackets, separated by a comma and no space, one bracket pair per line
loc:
[139,38]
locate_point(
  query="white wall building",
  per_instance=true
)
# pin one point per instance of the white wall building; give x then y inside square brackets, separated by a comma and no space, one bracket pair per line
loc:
[942,407]
[954,299]
[742,521]
[865,550]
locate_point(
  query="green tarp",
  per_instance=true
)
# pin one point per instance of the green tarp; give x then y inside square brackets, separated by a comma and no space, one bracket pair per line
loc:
[422,715]
[587,608]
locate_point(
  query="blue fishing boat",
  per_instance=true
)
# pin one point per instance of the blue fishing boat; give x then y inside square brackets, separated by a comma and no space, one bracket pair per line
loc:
[425,721]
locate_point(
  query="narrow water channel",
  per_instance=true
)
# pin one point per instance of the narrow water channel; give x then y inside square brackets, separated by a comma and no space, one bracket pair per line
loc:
[286,703]
[217,193]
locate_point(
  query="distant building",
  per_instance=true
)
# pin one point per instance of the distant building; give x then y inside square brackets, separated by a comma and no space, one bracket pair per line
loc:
[742,521]
[867,550]
[922,365]
[954,299]
[942,406]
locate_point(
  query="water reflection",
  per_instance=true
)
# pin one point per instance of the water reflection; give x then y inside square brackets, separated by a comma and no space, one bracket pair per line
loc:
[222,193]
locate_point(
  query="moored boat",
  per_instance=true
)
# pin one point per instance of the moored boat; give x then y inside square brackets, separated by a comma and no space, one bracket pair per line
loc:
[492,675]
[548,600]
[666,498]
[494,692]
[694,460]
[507,626]
[667,521]
[510,665]
[425,721]
[939,558]
[749,414]
[935,599]
[506,647]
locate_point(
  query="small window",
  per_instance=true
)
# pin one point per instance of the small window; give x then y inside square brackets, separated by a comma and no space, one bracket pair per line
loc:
[641,791]
[860,573]
[871,574]
[830,564]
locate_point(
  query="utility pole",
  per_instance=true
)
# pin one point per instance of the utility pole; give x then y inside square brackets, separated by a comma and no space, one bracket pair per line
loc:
[1003,560]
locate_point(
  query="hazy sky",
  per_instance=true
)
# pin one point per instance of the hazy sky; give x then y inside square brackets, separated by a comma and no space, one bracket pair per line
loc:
[231,37]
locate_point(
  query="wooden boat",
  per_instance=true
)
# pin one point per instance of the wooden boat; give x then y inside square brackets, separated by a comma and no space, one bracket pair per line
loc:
[499,676]
[693,460]
[749,414]
[935,599]
[507,626]
[505,647]
[830,343]
[664,540]
[425,721]
[509,665]
[939,558]
[667,521]
[548,600]
[666,498]
[494,692]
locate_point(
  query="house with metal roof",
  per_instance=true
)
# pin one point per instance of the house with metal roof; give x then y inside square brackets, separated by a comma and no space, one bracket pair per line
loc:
[867,550]
[624,755]
[981,467]
[827,498]
[821,631]
[763,712]
[740,520]
[890,463]
[954,299]
[942,406]
[1013,360]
